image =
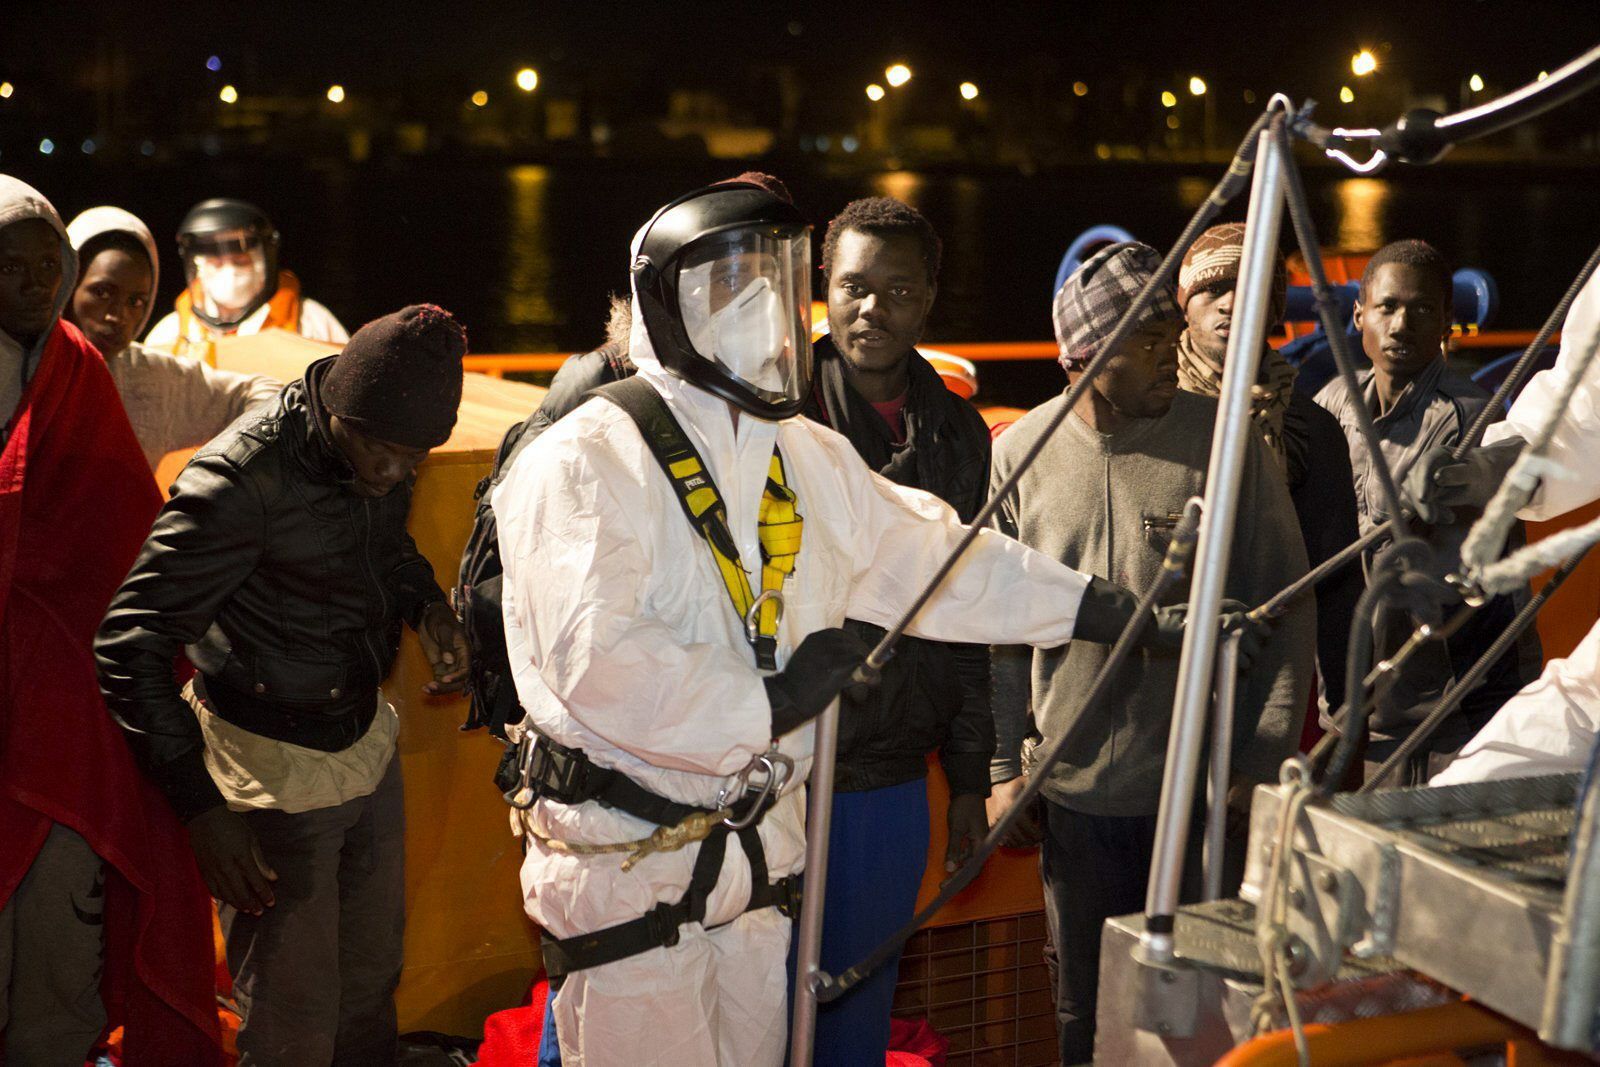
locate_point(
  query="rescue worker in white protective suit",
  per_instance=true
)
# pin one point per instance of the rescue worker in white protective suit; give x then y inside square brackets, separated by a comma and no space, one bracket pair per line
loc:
[641,680]
[233,285]
[1550,726]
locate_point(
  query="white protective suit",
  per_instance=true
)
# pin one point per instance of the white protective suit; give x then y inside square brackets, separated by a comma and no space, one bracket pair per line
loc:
[623,643]
[1550,726]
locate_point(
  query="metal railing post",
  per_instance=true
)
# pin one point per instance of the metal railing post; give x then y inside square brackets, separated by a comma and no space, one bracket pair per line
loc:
[1229,441]
[1221,765]
[808,947]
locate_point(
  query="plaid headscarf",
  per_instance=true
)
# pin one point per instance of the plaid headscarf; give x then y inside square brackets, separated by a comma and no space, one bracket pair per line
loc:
[1089,304]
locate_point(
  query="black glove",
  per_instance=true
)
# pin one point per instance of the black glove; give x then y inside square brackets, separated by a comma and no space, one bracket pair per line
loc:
[1106,609]
[817,672]
[1253,633]
[1437,483]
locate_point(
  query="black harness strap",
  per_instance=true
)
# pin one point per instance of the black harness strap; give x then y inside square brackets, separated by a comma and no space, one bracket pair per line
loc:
[659,927]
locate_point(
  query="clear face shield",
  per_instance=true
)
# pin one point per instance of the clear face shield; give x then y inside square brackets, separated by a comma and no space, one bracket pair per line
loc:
[228,271]
[745,301]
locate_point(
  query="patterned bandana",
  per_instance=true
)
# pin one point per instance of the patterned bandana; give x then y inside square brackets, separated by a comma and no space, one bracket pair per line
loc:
[1089,304]
[1269,397]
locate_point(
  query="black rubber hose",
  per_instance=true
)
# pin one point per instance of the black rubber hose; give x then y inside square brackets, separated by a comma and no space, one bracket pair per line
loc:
[1232,183]
[1469,681]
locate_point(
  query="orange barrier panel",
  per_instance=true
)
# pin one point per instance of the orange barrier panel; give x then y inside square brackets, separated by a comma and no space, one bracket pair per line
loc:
[498,366]
[1384,1040]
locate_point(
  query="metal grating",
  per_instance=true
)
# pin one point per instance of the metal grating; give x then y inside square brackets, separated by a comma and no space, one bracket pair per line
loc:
[983,985]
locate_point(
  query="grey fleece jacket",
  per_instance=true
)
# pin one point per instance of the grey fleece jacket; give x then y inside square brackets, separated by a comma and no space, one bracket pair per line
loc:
[1433,411]
[1106,504]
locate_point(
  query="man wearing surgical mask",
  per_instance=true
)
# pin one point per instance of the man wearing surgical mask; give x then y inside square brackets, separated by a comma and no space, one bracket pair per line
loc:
[230,262]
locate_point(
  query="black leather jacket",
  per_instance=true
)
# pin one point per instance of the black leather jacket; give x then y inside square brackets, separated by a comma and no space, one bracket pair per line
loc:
[285,588]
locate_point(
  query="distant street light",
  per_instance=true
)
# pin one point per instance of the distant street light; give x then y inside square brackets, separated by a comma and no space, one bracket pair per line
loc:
[527,79]
[1080,89]
[480,98]
[897,75]
[969,91]
[1363,63]
[336,94]
[1197,86]
[1168,98]
[1346,95]
[228,95]
[1475,83]
[874,92]
[6,89]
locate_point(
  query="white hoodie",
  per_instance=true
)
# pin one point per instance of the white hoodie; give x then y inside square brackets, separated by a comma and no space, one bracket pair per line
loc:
[172,402]
[623,643]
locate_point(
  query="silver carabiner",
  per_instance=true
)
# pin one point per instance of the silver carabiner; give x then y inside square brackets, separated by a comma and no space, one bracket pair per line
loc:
[752,621]
[778,769]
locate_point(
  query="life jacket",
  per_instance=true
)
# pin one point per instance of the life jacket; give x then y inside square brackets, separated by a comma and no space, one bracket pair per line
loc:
[283,312]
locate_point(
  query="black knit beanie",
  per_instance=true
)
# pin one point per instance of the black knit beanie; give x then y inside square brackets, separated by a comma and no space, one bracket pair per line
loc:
[399,378]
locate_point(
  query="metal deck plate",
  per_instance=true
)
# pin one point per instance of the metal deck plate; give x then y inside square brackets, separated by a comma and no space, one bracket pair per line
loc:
[1463,883]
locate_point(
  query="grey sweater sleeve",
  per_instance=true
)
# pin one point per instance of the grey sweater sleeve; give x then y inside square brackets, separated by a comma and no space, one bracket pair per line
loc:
[1268,554]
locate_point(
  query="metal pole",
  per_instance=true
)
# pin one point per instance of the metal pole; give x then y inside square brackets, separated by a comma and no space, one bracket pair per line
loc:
[1572,981]
[1228,443]
[808,949]
[1221,764]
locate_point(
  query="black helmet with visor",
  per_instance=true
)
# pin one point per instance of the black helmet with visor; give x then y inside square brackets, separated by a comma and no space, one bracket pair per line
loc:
[230,260]
[723,277]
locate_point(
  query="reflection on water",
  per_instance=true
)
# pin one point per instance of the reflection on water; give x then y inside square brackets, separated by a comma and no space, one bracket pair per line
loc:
[528,261]
[900,184]
[1361,209]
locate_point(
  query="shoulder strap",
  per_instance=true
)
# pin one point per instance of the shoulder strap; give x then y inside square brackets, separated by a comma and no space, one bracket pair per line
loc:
[696,492]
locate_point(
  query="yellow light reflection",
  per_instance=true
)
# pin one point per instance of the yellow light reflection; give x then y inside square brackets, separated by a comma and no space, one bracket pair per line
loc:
[1361,207]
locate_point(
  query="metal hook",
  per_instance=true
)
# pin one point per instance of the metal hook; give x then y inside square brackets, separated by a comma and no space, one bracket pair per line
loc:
[752,622]
[778,769]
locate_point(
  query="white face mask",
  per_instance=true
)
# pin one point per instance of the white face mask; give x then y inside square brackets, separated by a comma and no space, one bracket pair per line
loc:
[228,285]
[747,335]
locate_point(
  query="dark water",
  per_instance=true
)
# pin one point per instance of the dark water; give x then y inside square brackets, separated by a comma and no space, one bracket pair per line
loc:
[525,255]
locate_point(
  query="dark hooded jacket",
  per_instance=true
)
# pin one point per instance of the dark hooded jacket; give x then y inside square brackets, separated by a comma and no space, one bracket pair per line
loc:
[934,695]
[286,589]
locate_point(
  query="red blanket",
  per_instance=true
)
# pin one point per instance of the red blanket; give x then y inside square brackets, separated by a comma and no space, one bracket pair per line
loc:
[76,501]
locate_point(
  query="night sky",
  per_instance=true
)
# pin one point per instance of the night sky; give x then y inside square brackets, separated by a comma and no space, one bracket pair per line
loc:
[408,49]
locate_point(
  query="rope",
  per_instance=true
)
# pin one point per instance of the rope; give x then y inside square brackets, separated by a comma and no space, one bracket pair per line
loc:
[1524,364]
[1469,681]
[1179,553]
[1226,190]
[1272,916]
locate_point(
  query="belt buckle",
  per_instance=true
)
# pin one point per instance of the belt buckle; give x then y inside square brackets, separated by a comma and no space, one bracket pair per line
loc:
[663,924]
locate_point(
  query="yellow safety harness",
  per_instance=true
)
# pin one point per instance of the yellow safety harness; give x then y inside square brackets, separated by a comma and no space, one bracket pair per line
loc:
[779,527]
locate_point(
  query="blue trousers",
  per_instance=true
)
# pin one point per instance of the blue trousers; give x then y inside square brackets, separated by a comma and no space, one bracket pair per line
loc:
[549,1047]
[877,851]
